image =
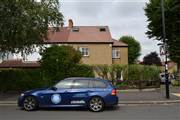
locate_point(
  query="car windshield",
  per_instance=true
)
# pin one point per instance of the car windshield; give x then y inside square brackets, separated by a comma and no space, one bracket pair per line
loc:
[64,84]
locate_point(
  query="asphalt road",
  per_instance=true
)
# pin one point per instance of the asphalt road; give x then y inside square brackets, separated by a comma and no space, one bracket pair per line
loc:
[123,112]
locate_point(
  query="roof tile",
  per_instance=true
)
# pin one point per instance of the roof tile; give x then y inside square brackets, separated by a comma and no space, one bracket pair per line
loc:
[117,43]
[19,63]
[85,34]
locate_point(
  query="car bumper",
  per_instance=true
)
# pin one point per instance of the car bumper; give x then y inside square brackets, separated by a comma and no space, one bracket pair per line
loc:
[20,101]
[112,101]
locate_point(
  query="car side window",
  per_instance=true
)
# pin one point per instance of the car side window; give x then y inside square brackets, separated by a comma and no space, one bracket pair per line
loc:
[91,84]
[64,84]
[81,84]
[97,84]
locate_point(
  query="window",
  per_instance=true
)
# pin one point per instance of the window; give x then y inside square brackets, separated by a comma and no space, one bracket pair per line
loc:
[75,29]
[64,84]
[84,51]
[81,84]
[97,84]
[102,29]
[115,54]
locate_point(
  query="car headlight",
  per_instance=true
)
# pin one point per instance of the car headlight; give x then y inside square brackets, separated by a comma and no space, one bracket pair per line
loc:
[22,94]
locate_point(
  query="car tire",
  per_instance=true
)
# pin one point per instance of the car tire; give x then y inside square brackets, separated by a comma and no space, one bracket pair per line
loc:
[96,104]
[30,103]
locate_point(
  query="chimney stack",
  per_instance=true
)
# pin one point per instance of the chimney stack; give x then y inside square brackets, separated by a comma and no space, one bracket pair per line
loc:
[70,23]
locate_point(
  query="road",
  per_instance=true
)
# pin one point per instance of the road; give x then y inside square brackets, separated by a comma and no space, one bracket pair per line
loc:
[123,112]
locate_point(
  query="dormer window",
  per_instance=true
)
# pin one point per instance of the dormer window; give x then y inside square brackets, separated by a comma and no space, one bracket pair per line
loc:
[75,29]
[103,29]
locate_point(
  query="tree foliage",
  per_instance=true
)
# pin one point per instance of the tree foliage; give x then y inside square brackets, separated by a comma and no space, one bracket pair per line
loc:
[24,23]
[172,22]
[134,48]
[152,59]
[58,61]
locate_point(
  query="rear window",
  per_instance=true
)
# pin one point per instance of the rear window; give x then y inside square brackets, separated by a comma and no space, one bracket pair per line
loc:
[97,84]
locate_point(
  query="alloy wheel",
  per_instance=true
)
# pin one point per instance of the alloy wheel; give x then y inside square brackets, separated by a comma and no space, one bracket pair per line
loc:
[96,104]
[30,103]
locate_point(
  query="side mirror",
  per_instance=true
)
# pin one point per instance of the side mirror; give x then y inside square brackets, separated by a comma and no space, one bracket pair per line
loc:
[53,88]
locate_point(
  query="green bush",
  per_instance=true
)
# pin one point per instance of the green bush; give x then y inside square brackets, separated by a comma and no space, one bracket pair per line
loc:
[102,70]
[134,76]
[82,70]
[142,76]
[79,70]
[57,62]
[20,79]
[26,79]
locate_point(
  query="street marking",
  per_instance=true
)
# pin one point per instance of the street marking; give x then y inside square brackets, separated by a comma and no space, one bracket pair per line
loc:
[176,94]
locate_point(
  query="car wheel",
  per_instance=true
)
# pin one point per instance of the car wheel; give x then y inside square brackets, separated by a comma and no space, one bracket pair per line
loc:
[30,103]
[96,104]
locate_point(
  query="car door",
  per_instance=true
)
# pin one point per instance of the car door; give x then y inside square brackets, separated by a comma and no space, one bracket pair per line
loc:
[80,92]
[59,96]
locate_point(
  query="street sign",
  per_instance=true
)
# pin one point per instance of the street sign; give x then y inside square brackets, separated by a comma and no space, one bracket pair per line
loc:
[162,50]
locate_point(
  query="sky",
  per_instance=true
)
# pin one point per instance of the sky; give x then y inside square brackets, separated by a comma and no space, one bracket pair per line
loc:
[124,17]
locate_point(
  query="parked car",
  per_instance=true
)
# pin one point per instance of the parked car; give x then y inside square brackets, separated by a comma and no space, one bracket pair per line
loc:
[92,93]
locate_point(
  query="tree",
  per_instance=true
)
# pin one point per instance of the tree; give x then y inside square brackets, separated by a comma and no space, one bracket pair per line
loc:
[152,59]
[172,22]
[134,48]
[24,23]
[58,61]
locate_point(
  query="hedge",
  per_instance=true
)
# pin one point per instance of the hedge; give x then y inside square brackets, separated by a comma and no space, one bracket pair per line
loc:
[26,79]
[20,79]
[82,70]
[134,76]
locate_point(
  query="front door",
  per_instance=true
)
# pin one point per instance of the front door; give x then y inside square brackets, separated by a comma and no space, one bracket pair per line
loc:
[60,96]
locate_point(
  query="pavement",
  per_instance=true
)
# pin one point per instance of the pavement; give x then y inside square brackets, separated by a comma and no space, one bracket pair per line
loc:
[132,112]
[133,96]
[149,96]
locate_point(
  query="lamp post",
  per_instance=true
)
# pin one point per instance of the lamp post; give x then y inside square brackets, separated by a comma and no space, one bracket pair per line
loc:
[165,49]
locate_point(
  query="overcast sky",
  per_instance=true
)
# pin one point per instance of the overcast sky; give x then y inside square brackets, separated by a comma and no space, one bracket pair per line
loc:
[124,17]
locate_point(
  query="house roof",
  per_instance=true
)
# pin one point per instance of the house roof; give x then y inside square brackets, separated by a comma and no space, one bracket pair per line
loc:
[19,63]
[81,34]
[85,34]
[117,43]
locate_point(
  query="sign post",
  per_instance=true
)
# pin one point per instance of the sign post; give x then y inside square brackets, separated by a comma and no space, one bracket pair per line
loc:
[165,50]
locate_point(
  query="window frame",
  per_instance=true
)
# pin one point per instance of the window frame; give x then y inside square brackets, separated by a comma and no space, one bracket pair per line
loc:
[84,50]
[92,82]
[114,52]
